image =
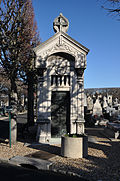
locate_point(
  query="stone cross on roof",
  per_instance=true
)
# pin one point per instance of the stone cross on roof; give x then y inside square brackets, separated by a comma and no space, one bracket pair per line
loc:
[60,24]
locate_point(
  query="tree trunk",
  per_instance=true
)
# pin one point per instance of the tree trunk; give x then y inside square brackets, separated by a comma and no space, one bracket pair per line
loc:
[30,113]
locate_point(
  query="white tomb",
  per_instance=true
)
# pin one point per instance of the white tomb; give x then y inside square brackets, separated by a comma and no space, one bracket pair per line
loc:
[89,103]
[105,105]
[109,100]
[97,109]
[60,62]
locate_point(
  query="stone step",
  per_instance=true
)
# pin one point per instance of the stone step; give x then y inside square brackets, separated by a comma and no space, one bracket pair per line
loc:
[55,141]
[30,162]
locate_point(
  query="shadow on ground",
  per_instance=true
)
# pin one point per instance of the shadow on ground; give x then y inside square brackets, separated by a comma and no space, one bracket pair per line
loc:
[18,173]
[102,162]
[45,151]
[4,132]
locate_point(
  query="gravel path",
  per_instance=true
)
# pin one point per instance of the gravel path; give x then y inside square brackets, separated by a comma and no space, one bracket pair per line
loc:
[103,162]
[19,149]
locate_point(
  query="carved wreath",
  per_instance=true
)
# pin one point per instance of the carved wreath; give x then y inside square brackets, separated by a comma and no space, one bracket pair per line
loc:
[60,66]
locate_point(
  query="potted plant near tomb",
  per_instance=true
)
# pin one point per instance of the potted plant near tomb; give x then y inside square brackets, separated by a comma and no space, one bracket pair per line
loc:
[75,145]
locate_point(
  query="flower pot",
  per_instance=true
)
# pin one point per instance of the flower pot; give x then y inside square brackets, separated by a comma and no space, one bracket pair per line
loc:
[74,147]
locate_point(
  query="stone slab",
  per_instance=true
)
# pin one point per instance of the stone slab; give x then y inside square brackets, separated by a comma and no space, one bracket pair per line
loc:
[38,163]
[112,134]
[114,126]
[55,141]
[92,139]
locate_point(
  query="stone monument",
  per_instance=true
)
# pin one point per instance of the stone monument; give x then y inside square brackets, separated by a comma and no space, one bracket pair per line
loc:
[109,100]
[60,63]
[105,105]
[97,109]
[89,103]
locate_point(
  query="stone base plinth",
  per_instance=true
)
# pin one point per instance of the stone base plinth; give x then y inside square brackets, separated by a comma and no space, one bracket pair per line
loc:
[43,132]
[74,147]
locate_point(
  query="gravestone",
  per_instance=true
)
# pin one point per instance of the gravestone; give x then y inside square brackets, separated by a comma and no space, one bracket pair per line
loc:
[60,63]
[89,103]
[116,101]
[105,105]
[109,100]
[97,109]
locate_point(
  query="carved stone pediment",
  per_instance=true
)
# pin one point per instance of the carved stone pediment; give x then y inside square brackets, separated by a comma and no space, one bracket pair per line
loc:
[61,42]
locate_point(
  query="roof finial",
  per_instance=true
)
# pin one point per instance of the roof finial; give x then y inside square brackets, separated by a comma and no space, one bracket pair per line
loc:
[60,24]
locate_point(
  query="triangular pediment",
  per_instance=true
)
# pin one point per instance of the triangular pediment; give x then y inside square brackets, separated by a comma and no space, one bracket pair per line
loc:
[60,41]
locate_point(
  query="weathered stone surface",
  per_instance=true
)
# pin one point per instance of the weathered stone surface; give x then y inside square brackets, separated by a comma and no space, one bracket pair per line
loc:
[38,163]
[97,109]
[74,147]
[60,24]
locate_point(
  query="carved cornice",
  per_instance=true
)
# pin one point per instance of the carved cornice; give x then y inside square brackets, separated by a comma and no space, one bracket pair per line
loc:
[58,48]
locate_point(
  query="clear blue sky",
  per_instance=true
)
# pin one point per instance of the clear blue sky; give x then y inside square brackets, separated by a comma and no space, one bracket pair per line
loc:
[91,26]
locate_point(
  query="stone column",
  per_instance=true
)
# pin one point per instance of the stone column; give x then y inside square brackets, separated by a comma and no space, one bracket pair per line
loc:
[80,103]
[58,81]
[54,80]
[73,106]
[42,116]
[67,80]
[62,80]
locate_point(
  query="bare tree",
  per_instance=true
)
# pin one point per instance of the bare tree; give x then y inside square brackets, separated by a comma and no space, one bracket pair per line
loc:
[30,37]
[17,37]
[112,7]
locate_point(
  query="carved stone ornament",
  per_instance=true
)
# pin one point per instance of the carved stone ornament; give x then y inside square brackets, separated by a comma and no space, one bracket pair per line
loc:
[59,64]
[60,67]
[80,62]
[59,48]
[60,24]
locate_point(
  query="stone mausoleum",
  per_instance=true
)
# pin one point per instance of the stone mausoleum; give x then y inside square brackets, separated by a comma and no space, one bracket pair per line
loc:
[60,62]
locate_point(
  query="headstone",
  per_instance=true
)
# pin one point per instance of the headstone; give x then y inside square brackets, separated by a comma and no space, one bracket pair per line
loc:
[97,109]
[109,100]
[116,101]
[99,96]
[89,103]
[105,105]
[111,111]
